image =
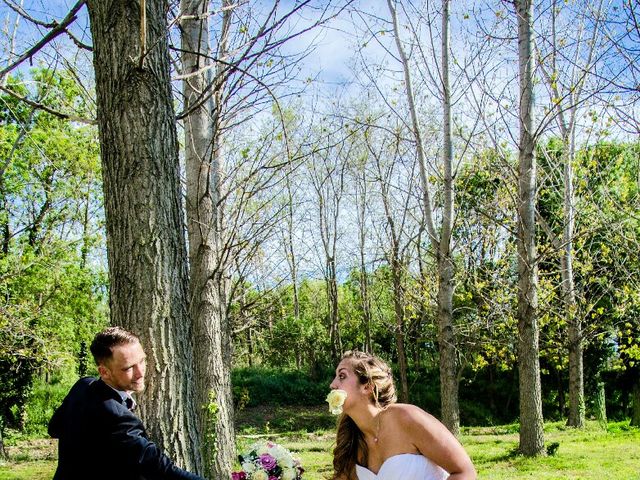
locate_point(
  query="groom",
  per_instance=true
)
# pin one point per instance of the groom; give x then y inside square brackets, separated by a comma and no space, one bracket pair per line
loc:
[100,437]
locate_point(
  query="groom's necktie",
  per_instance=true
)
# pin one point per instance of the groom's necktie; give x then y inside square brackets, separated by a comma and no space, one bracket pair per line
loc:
[130,403]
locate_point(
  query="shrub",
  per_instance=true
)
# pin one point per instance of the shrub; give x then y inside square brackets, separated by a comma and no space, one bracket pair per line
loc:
[266,386]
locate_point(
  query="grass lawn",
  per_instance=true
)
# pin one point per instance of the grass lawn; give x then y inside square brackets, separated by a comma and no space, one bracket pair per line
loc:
[589,454]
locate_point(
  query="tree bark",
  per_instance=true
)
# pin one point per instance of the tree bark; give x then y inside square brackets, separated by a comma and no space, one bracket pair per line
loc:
[361,212]
[290,251]
[446,335]
[399,305]
[145,241]
[212,360]
[635,400]
[531,421]
[600,405]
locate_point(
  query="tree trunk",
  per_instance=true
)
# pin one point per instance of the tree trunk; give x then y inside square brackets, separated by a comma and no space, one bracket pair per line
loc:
[576,368]
[600,405]
[212,360]
[446,335]
[561,392]
[3,452]
[448,372]
[531,421]
[365,303]
[635,412]
[145,241]
[440,241]
[290,248]
[332,305]
[398,303]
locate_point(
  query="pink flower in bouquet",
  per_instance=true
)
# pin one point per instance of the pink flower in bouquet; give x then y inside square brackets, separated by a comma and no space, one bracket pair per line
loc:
[267,462]
[238,476]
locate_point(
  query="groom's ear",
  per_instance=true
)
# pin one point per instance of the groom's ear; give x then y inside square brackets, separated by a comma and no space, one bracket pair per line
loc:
[103,371]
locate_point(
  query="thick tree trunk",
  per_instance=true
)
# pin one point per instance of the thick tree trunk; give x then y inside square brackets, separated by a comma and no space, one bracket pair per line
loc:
[531,421]
[212,360]
[145,240]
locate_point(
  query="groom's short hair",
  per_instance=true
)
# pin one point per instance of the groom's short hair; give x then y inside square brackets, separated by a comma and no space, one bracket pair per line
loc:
[104,341]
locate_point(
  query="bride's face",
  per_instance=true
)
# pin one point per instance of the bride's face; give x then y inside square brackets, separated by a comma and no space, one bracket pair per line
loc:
[347,380]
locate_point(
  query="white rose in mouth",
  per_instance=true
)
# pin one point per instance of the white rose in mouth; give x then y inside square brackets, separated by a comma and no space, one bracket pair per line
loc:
[336,399]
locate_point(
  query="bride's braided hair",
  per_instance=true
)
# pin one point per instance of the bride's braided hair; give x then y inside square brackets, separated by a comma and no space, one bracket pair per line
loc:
[350,443]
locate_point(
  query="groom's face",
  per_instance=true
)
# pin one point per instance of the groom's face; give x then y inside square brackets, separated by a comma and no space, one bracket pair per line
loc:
[126,368]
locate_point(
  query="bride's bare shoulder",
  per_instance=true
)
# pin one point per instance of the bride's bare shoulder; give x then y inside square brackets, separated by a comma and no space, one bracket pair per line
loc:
[405,412]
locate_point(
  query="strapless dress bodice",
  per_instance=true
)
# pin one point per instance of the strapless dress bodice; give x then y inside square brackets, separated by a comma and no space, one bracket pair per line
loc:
[405,466]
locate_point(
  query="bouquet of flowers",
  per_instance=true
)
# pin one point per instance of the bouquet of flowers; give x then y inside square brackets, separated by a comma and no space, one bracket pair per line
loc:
[268,461]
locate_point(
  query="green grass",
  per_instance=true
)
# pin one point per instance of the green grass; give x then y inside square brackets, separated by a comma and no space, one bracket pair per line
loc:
[589,454]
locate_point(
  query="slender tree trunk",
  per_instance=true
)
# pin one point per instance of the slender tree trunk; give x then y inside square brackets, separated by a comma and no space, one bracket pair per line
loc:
[576,368]
[531,421]
[290,249]
[635,405]
[365,303]
[569,97]
[329,186]
[561,393]
[3,452]
[398,303]
[145,241]
[446,335]
[212,361]
[84,250]
[447,346]
[332,305]
[600,405]
[5,231]
[440,241]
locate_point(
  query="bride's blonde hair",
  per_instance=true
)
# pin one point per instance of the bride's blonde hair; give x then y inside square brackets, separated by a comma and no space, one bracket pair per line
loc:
[350,443]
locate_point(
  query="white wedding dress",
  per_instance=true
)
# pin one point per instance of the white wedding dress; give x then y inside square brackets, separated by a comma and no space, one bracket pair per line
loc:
[405,466]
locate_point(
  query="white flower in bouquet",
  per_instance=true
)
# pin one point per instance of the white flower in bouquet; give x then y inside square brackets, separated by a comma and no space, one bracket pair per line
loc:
[279,453]
[287,462]
[249,467]
[336,400]
[261,448]
[260,475]
[289,474]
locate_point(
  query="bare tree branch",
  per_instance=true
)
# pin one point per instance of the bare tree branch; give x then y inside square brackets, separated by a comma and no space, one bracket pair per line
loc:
[58,29]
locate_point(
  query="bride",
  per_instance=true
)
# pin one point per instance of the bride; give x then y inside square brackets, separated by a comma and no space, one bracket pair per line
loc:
[380,439]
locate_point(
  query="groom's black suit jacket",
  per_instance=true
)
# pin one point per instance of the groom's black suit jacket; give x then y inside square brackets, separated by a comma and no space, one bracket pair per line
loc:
[100,439]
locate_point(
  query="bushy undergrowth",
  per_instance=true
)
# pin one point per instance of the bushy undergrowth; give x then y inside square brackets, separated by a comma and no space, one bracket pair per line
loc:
[43,401]
[481,403]
[253,387]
